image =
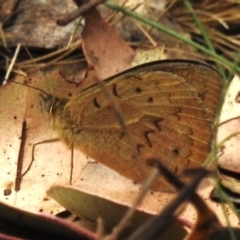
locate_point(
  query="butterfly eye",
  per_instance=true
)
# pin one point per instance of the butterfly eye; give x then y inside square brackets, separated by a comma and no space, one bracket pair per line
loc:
[138,90]
[175,151]
[48,102]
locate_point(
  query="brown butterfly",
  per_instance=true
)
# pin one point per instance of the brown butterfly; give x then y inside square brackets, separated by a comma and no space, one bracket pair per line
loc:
[166,111]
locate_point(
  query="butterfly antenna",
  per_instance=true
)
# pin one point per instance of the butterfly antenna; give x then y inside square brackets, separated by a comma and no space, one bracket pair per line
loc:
[40,90]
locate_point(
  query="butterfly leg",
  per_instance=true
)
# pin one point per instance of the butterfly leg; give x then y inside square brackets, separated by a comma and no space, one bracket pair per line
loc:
[72,155]
[33,150]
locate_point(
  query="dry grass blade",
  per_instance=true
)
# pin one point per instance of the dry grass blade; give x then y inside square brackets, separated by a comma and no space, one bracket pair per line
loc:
[218,19]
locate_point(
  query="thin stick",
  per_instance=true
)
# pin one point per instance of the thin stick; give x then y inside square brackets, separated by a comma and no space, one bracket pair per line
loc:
[78,12]
[20,157]
[12,64]
[72,165]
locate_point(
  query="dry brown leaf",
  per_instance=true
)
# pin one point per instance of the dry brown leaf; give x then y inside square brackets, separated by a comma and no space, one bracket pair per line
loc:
[26,225]
[35,25]
[229,156]
[103,47]
[52,160]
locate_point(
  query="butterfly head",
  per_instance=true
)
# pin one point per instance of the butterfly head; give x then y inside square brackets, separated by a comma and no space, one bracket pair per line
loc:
[52,105]
[47,102]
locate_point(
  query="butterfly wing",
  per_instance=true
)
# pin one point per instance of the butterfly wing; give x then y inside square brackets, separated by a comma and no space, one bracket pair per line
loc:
[164,116]
[205,79]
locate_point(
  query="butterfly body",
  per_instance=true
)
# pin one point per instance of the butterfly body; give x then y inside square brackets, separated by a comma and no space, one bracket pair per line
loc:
[164,110]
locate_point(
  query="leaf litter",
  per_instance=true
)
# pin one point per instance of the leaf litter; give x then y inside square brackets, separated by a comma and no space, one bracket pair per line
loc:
[38,128]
